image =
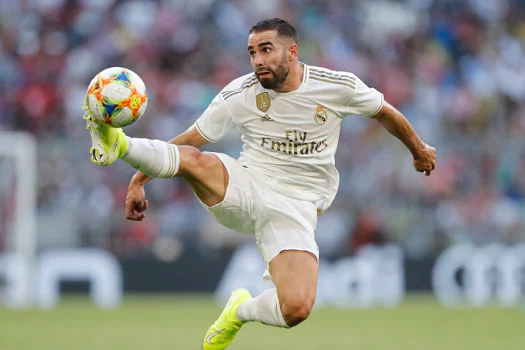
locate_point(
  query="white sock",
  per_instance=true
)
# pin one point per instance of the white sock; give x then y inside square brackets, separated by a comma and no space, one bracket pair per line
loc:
[265,309]
[152,157]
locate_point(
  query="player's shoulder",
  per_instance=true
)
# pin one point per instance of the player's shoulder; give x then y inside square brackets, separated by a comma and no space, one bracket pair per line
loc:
[239,85]
[331,77]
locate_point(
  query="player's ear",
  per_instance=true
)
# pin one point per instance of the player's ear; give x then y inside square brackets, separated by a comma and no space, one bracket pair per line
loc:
[293,52]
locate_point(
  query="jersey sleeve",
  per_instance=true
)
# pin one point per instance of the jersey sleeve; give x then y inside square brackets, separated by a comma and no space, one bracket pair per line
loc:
[216,121]
[366,101]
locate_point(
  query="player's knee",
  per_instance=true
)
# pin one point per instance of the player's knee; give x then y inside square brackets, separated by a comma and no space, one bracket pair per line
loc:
[297,310]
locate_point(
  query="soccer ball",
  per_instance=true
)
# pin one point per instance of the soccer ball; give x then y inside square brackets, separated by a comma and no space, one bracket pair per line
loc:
[116,96]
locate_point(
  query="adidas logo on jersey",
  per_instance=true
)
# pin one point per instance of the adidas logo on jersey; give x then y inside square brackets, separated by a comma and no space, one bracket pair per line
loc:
[267,118]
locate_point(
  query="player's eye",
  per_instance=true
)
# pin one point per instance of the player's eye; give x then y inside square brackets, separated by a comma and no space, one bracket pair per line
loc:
[266,49]
[252,53]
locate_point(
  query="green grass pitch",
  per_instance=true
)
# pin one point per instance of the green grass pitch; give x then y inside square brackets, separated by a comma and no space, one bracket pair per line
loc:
[179,322]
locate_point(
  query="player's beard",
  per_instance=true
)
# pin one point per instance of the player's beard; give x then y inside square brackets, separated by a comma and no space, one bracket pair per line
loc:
[278,76]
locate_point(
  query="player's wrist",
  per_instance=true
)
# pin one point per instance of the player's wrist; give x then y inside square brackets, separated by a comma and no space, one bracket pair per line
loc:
[140,179]
[418,150]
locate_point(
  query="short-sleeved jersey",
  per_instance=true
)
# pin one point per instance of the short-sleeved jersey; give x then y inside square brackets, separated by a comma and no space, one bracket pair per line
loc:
[291,138]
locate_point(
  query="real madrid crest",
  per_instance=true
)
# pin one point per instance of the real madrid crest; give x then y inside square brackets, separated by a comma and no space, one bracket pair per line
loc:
[263,102]
[320,115]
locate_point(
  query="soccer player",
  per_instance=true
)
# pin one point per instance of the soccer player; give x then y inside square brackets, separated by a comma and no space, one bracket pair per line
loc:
[289,115]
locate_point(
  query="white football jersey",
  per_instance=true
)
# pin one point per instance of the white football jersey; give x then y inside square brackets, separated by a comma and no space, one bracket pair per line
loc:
[290,138]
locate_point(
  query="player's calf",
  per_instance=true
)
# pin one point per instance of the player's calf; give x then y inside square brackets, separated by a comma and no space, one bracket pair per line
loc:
[152,157]
[193,162]
[268,309]
[161,159]
[203,171]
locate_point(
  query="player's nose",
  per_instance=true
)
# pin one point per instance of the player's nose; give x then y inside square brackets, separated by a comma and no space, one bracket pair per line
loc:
[258,61]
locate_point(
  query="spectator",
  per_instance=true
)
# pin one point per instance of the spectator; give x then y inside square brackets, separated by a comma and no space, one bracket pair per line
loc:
[455,71]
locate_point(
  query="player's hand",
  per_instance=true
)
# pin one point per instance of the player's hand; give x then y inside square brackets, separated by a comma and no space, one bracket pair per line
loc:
[425,160]
[135,202]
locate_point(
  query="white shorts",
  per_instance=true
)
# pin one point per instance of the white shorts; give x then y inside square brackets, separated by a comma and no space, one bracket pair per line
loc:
[278,222]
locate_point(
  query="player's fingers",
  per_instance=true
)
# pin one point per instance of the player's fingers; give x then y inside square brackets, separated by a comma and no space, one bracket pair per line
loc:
[133,211]
[141,206]
[136,216]
[129,210]
[131,216]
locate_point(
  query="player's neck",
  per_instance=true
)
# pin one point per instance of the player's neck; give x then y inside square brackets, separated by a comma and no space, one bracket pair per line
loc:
[294,78]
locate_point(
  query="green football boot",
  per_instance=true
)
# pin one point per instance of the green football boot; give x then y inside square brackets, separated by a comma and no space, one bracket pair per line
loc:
[224,330]
[107,143]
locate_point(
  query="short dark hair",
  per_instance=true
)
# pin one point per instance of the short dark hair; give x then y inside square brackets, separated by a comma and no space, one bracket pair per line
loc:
[282,27]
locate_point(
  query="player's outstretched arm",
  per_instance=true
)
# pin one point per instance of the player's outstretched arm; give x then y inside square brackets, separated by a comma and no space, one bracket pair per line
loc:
[136,203]
[399,126]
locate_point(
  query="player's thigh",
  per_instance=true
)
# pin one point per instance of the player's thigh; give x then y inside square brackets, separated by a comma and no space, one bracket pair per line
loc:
[286,224]
[205,173]
[295,275]
[238,209]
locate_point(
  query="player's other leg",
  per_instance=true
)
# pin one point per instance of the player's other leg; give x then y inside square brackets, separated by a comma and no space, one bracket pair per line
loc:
[295,275]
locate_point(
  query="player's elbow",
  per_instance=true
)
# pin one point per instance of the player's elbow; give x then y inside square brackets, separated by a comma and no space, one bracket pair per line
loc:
[296,311]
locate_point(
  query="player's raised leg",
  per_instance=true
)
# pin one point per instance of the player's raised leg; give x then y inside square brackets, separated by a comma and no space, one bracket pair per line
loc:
[204,172]
[295,275]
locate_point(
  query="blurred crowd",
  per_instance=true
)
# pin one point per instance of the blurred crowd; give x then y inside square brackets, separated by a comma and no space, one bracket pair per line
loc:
[453,67]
